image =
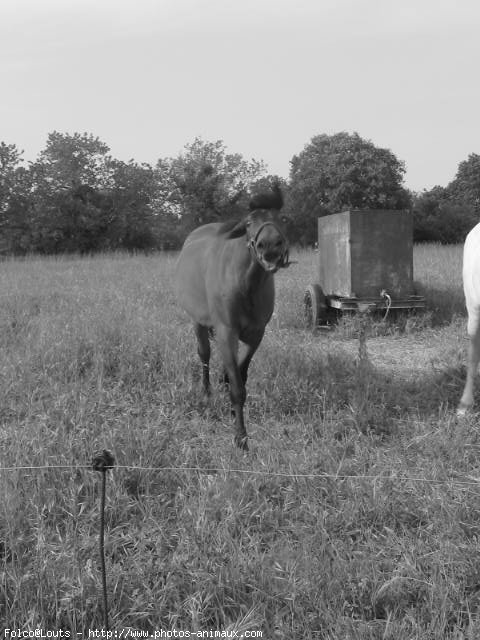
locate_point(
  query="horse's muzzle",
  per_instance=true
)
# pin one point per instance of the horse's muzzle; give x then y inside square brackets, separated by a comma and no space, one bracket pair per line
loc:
[272,261]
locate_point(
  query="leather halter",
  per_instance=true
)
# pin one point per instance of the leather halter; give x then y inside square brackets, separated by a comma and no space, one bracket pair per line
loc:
[252,244]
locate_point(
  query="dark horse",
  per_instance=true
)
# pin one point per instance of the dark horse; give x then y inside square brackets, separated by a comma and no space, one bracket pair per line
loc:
[224,280]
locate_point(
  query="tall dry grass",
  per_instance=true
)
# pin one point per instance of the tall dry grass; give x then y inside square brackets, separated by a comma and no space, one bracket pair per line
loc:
[94,353]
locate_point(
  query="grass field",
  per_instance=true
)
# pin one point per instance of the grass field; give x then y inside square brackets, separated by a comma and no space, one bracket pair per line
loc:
[95,354]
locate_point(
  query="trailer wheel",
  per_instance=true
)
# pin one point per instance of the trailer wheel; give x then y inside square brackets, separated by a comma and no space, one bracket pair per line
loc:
[314,306]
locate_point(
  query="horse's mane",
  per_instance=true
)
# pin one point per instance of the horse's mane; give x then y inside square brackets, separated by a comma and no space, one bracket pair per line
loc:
[267,200]
[270,200]
[228,226]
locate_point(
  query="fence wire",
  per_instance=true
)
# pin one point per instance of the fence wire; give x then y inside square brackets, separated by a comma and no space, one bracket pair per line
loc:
[104,461]
[468,481]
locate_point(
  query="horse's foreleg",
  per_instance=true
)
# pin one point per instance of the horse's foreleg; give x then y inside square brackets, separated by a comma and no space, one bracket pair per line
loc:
[254,340]
[227,342]
[224,381]
[204,352]
[473,359]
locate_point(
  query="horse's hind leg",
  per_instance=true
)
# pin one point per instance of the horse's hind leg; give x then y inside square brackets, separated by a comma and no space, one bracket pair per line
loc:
[202,334]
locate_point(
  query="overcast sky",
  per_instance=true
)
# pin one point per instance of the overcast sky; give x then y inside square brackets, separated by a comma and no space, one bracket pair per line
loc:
[264,76]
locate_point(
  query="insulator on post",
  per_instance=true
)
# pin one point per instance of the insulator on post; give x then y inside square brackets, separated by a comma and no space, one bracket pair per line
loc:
[102,461]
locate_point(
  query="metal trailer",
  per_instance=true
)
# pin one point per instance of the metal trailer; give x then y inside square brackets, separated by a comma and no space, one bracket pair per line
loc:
[365,262]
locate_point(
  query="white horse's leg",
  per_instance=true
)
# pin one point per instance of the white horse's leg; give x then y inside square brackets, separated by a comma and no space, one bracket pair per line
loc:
[466,400]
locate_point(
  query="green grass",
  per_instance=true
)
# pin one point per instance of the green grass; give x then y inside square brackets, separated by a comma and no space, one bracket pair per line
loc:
[94,353]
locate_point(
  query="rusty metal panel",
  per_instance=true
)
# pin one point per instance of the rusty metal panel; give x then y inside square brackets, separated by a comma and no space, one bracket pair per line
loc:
[381,252]
[363,252]
[334,254]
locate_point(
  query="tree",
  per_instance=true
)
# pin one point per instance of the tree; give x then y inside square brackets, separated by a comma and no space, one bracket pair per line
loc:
[340,172]
[76,197]
[66,175]
[437,217]
[72,160]
[10,159]
[15,200]
[134,194]
[446,214]
[207,183]
[465,188]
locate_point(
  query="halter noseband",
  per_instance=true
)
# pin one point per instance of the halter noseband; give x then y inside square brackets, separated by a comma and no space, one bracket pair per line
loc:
[252,244]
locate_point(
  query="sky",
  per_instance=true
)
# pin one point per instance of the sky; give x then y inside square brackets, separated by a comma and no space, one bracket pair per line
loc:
[264,76]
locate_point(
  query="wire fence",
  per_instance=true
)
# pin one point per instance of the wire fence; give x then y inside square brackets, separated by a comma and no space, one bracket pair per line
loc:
[455,480]
[104,461]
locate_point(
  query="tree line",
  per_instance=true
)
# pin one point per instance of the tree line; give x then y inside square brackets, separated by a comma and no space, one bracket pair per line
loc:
[77,198]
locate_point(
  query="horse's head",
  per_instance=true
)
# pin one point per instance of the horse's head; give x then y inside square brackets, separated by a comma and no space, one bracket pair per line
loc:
[264,230]
[266,239]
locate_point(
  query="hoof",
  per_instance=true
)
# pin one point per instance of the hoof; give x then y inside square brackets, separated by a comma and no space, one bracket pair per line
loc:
[463,408]
[241,442]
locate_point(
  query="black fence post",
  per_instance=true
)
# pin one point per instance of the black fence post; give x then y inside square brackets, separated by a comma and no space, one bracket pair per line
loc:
[103,461]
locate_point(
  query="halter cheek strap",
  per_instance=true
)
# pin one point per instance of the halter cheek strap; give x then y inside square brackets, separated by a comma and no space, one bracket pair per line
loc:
[252,244]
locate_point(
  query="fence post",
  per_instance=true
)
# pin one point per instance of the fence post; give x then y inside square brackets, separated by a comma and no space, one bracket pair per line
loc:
[101,462]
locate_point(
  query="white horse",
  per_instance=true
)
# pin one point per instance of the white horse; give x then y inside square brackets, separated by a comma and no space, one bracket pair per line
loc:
[471,286]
